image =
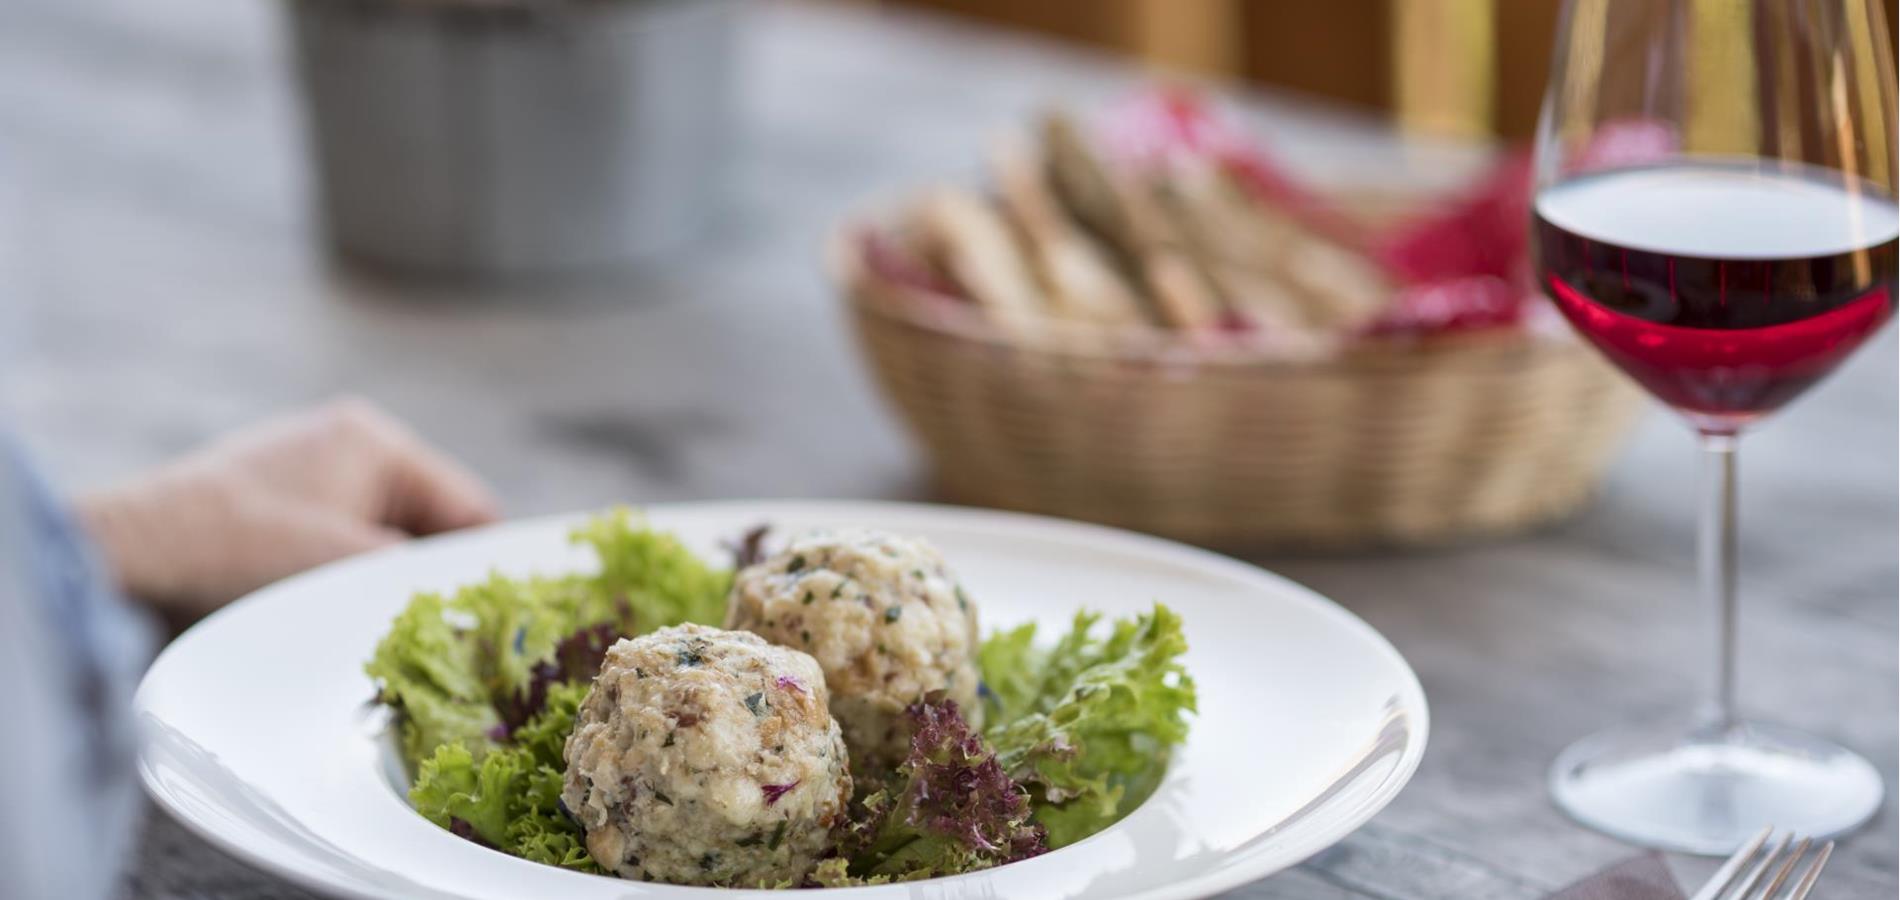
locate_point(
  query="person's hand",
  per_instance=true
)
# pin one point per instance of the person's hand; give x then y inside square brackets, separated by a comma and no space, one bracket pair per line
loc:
[274,499]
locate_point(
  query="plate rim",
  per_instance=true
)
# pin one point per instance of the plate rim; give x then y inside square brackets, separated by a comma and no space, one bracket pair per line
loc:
[1411,693]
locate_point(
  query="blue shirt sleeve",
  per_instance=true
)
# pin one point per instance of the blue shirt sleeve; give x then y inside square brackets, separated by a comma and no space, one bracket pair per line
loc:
[71,652]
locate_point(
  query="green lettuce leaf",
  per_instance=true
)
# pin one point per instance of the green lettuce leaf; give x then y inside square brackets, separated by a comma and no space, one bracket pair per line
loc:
[430,672]
[653,576]
[515,623]
[1087,724]
[511,798]
[836,873]
[458,669]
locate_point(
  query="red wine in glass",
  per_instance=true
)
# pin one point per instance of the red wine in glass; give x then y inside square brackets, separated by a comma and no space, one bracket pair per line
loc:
[1725,289]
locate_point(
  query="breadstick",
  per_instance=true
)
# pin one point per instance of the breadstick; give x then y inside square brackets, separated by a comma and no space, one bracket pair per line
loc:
[1081,281]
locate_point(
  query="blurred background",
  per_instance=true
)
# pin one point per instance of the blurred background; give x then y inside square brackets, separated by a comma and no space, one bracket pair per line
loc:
[202,202]
[583,244]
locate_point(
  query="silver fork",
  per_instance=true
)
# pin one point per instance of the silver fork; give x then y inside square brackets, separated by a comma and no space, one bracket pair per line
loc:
[1767,869]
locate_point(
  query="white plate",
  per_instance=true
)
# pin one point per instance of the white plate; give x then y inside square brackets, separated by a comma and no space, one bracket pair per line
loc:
[258,735]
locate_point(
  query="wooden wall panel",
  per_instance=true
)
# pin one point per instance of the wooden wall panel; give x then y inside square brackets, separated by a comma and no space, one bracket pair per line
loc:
[1337,48]
[1526,29]
[1343,50]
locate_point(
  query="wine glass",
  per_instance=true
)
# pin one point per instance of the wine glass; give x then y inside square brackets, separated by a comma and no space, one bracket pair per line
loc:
[1715,213]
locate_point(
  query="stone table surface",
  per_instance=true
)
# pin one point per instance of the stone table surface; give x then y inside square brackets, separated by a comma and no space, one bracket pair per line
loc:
[161,280]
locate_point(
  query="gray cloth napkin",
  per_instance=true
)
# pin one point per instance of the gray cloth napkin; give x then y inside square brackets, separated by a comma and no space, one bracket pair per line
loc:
[1642,878]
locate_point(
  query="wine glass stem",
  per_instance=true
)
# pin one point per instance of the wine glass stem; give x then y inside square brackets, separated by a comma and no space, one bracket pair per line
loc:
[1716,571]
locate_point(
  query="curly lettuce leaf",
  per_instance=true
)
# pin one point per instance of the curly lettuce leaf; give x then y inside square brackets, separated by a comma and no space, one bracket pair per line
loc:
[452,786]
[510,799]
[543,832]
[836,873]
[468,669]
[431,673]
[1086,725]
[1012,670]
[515,623]
[653,575]
[949,808]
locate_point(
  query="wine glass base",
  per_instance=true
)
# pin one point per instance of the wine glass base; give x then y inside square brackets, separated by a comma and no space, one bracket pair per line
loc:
[1708,791]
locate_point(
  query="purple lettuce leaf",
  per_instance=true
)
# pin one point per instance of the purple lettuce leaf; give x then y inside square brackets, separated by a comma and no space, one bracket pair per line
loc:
[950,808]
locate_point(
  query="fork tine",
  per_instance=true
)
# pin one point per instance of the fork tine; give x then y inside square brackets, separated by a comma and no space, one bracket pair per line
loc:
[1787,868]
[1720,881]
[1806,884]
[1754,875]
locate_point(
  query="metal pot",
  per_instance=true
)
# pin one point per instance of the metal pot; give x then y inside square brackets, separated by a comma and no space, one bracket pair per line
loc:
[473,138]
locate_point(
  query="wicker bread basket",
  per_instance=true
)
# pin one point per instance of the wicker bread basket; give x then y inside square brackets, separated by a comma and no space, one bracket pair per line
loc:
[1386,443]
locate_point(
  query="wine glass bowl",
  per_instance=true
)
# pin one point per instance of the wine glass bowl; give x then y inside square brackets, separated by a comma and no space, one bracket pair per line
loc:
[1715,213]
[1725,288]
